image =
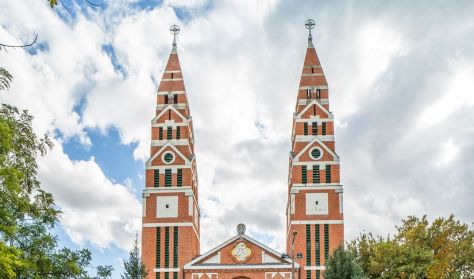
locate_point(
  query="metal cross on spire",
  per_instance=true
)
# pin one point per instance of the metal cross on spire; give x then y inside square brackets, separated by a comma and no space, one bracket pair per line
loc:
[174,29]
[309,24]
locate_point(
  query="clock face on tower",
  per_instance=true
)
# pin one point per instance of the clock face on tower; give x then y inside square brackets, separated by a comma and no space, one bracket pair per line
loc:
[241,252]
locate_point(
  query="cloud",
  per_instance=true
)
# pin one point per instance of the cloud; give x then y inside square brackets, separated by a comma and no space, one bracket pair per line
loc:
[95,209]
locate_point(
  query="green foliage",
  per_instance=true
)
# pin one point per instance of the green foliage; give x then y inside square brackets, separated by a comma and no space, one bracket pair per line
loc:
[342,265]
[134,267]
[442,249]
[28,213]
[5,79]
[104,271]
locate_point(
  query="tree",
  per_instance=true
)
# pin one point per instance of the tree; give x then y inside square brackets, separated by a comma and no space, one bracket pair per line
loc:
[27,212]
[134,267]
[442,249]
[343,265]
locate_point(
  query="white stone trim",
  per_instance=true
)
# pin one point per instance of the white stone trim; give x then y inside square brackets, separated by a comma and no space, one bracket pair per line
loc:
[319,163]
[172,124]
[172,71]
[168,144]
[171,92]
[314,267]
[317,140]
[313,75]
[166,269]
[296,188]
[171,79]
[246,266]
[165,109]
[179,105]
[314,102]
[325,138]
[179,142]
[317,222]
[172,167]
[246,237]
[313,86]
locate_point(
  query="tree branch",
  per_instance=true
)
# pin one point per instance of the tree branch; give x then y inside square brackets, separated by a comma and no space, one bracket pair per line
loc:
[5,46]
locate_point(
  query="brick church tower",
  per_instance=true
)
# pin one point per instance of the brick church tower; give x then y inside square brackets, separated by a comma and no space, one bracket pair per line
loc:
[170,223]
[314,208]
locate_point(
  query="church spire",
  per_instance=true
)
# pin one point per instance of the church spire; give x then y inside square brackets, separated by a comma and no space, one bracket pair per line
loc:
[314,209]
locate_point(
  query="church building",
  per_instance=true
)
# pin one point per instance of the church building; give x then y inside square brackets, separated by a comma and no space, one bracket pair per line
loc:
[171,213]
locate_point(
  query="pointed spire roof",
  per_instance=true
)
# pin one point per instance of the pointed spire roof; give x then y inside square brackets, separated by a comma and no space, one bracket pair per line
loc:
[312,74]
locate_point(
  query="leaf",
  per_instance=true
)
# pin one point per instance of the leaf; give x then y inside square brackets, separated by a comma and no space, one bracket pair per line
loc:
[5,79]
[53,3]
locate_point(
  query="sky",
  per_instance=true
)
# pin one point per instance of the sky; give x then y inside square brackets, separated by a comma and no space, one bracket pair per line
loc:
[401,90]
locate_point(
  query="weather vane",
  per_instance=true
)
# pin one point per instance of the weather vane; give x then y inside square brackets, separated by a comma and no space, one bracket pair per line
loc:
[174,29]
[309,24]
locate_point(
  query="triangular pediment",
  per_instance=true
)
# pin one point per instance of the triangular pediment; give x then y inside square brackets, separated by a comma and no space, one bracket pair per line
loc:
[168,147]
[165,110]
[316,142]
[320,108]
[238,251]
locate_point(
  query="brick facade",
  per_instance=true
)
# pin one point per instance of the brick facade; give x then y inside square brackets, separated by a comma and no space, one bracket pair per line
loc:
[170,223]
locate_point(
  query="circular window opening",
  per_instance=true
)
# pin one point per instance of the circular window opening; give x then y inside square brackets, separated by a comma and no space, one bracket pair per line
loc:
[316,153]
[168,157]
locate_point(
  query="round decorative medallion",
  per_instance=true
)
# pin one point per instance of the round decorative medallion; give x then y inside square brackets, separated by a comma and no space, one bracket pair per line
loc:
[168,157]
[316,153]
[241,252]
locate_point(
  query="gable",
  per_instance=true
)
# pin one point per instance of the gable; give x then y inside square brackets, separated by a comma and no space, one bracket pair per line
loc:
[239,250]
[157,159]
[327,153]
[169,113]
[320,110]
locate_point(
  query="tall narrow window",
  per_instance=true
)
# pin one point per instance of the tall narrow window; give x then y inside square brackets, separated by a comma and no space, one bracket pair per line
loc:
[305,128]
[175,248]
[158,247]
[308,93]
[169,115]
[167,275]
[328,174]
[308,244]
[316,240]
[318,274]
[304,177]
[308,274]
[171,75]
[175,98]
[316,178]
[312,70]
[166,99]
[323,128]
[314,128]
[314,110]
[169,133]
[326,242]
[168,178]
[156,178]
[318,93]
[160,133]
[180,177]
[167,247]
[178,132]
